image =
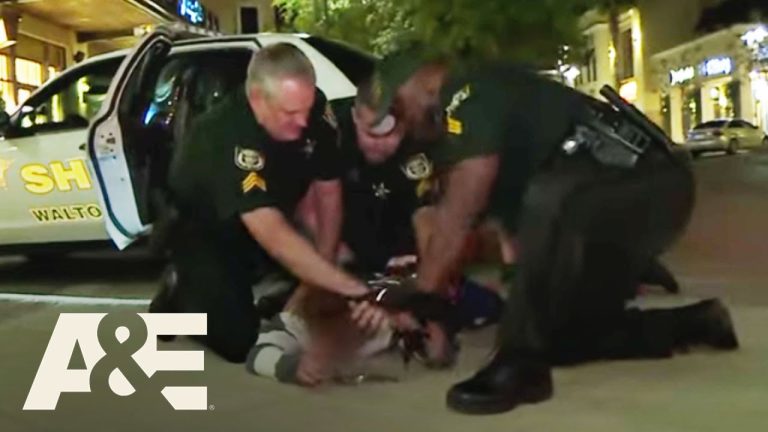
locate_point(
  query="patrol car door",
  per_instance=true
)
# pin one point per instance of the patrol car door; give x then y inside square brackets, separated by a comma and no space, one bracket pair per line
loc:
[47,193]
[115,147]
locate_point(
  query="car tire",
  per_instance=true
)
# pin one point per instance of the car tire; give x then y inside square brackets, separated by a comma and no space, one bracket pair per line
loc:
[765,142]
[733,147]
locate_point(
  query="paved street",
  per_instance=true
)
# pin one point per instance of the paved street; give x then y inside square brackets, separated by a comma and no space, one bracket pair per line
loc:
[724,253]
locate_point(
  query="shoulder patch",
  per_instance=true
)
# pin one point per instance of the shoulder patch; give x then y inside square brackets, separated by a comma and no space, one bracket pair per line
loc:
[254,180]
[418,167]
[248,159]
[330,117]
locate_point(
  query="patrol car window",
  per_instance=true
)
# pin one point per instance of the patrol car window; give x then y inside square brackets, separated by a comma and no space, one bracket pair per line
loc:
[356,65]
[198,81]
[70,102]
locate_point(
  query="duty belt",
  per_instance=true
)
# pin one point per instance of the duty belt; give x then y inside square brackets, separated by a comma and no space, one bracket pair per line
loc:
[616,134]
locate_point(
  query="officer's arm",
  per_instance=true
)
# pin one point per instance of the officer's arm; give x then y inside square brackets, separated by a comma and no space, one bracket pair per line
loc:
[466,194]
[273,232]
[327,197]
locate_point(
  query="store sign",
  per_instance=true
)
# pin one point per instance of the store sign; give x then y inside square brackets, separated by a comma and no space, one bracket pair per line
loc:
[682,75]
[192,11]
[717,66]
[756,36]
[762,53]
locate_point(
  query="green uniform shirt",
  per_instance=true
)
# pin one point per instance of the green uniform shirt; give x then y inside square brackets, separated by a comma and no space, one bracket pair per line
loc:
[509,111]
[379,200]
[229,165]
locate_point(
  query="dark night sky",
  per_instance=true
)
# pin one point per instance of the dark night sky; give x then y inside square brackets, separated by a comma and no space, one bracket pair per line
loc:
[732,12]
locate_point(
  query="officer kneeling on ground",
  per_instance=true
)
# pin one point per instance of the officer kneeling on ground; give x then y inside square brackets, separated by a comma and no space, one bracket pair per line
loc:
[591,198]
[236,182]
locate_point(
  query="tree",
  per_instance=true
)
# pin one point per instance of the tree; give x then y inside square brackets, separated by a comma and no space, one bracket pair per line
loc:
[523,30]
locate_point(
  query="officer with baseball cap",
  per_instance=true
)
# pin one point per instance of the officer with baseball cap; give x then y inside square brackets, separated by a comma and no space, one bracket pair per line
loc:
[592,193]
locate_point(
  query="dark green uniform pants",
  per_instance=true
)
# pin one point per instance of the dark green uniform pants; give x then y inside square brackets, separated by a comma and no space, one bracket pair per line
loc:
[212,280]
[586,232]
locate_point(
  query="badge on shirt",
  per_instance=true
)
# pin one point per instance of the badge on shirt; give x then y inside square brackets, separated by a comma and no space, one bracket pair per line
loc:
[330,117]
[309,147]
[454,126]
[254,180]
[248,159]
[380,190]
[418,167]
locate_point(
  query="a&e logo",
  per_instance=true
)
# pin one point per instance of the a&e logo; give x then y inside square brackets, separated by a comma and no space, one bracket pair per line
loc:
[120,355]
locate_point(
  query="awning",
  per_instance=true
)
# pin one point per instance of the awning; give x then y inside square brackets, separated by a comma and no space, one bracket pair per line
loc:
[104,24]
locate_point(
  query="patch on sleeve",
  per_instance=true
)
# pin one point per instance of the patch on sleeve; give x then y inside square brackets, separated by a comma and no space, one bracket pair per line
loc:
[254,180]
[424,187]
[248,159]
[330,117]
[455,126]
[418,167]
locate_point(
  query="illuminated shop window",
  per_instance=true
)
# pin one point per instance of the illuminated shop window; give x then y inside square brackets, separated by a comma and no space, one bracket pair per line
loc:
[29,72]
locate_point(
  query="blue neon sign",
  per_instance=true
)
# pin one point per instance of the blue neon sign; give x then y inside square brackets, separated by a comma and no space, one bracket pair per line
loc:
[192,11]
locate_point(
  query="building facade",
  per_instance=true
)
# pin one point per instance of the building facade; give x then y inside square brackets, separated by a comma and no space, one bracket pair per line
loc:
[601,65]
[715,76]
[652,37]
[41,38]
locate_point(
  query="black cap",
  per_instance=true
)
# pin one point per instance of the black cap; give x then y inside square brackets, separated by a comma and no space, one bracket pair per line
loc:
[391,72]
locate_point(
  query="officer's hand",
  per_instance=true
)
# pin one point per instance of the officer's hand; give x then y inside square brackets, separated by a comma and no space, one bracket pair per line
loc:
[369,318]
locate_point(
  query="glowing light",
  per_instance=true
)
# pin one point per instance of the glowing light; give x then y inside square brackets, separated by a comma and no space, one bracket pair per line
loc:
[628,90]
[679,76]
[717,66]
[755,36]
[571,73]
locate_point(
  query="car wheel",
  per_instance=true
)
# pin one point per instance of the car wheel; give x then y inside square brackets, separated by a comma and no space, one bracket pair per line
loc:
[733,147]
[765,142]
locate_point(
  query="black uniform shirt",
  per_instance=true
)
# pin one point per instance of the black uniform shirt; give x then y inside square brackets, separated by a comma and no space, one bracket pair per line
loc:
[229,165]
[380,199]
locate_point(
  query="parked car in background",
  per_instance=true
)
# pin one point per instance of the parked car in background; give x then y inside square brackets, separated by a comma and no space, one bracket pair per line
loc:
[729,135]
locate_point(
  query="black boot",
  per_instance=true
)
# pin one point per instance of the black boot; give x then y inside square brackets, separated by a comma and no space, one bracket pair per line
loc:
[507,381]
[706,323]
[163,300]
[658,274]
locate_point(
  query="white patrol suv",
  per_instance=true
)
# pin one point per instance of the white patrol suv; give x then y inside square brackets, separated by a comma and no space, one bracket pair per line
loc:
[125,111]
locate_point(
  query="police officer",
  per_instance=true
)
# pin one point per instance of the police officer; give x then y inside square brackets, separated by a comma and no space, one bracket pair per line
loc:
[236,182]
[385,183]
[589,211]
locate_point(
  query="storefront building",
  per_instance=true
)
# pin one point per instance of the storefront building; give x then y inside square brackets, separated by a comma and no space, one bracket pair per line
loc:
[756,41]
[712,77]
[40,39]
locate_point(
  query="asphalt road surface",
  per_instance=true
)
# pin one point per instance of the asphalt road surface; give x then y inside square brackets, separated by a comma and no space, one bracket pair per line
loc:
[724,253]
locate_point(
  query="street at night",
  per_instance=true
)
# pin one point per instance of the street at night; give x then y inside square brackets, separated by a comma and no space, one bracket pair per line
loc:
[722,254]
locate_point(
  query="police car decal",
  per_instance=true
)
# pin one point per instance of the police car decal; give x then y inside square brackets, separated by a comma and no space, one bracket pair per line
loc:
[5,164]
[248,159]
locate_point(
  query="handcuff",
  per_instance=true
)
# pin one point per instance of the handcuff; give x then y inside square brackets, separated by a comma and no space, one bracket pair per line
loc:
[398,293]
